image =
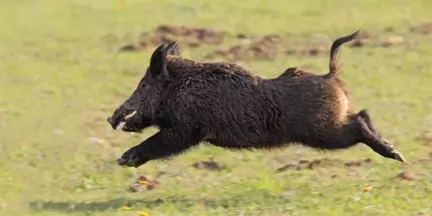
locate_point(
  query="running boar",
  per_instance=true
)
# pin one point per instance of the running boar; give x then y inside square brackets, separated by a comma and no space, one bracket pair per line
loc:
[225,105]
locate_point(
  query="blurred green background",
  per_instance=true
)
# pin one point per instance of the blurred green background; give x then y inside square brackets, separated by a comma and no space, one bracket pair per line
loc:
[61,76]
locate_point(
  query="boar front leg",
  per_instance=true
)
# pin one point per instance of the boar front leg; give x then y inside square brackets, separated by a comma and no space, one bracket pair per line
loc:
[165,143]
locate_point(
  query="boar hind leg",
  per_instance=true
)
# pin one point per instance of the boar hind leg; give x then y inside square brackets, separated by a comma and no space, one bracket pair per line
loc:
[367,119]
[371,139]
[165,143]
[359,129]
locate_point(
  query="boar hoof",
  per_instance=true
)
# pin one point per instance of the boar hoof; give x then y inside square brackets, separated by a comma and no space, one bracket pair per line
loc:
[132,158]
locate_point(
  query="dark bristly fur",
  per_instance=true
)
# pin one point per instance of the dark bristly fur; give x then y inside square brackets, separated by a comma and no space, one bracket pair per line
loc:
[223,104]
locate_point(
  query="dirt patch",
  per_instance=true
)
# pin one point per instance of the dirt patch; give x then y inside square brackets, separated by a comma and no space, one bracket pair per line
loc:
[268,47]
[422,160]
[392,40]
[208,165]
[426,137]
[242,36]
[290,167]
[387,38]
[358,163]
[195,36]
[313,164]
[311,50]
[322,163]
[143,183]
[406,175]
[265,48]
[424,28]
[190,37]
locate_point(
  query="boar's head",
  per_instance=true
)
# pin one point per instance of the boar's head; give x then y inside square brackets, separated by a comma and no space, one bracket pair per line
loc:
[138,111]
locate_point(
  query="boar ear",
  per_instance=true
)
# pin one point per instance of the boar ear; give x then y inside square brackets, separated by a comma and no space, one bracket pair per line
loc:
[172,48]
[158,59]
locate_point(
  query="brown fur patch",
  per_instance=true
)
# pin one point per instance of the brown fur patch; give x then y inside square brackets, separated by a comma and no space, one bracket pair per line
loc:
[295,73]
[342,105]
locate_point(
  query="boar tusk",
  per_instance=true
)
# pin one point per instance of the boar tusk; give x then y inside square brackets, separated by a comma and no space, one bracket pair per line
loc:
[130,115]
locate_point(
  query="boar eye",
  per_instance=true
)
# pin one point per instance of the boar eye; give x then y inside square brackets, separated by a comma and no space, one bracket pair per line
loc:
[141,84]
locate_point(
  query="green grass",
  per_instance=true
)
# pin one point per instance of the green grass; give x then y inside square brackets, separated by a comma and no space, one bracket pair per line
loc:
[60,77]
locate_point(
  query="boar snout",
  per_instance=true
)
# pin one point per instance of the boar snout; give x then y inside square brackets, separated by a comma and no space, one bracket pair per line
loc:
[113,123]
[120,115]
[115,120]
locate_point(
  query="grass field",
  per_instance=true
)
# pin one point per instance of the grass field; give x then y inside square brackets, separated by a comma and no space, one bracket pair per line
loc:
[61,77]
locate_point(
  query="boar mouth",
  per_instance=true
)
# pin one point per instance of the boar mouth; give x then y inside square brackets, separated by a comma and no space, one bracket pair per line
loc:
[118,122]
